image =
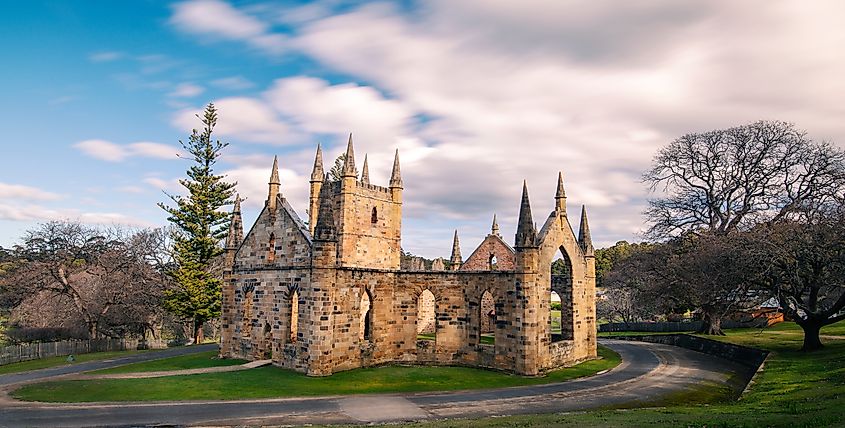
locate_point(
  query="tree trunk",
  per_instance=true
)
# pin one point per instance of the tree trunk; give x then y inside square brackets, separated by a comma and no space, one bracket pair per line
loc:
[711,325]
[198,338]
[811,336]
[93,331]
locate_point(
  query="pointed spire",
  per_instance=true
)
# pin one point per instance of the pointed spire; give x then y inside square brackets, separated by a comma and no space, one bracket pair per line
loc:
[526,233]
[325,229]
[456,259]
[317,172]
[396,175]
[584,238]
[365,172]
[495,229]
[274,186]
[561,193]
[274,175]
[560,196]
[349,169]
[236,227]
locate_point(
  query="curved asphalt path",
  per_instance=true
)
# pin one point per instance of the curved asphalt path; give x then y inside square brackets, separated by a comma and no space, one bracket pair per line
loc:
[22,377]
[648,372]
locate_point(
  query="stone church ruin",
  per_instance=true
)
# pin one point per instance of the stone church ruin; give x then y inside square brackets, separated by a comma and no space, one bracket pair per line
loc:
[333,295]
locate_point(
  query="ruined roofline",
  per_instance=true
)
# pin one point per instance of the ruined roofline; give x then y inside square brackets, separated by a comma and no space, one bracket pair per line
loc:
[375,187]
[507,246]
[336,187]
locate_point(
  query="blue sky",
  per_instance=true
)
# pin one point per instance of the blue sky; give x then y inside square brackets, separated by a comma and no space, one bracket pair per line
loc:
[476,95]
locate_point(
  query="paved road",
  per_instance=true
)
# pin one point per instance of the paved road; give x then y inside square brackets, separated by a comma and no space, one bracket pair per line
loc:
[29,376]
[648,371]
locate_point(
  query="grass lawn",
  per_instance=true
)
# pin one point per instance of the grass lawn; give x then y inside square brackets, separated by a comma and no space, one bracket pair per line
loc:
[486,339]
[60,361]
[193,361]
[426,336]
[796,389]
[271,381]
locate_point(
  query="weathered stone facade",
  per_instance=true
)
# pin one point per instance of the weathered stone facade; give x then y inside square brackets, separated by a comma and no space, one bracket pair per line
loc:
[331,295]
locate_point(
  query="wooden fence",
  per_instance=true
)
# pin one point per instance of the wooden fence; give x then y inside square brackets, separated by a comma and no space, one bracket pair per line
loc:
[34,351]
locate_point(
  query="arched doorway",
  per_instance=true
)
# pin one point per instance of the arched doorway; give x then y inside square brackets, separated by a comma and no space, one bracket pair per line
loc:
[365,328]
[560,301]
[487,318]
[426,316]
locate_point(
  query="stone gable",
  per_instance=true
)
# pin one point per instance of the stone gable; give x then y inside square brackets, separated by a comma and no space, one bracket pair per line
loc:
[492,254]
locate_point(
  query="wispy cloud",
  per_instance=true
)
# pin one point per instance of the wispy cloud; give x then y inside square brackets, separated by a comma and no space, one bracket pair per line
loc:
[18,192]
[219,19]
[158,183]
[187,90]
[32,212]
[248,119]
[233,83]
[480,94]
[111,152]
[106,56]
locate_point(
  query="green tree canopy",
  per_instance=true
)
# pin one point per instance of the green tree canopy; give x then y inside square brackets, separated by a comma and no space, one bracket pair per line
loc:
[199,227]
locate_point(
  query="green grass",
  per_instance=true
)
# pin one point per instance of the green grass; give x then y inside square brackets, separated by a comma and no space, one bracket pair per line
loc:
[181,362]
[61,361]
[486,339]
[271,381]
[795,389]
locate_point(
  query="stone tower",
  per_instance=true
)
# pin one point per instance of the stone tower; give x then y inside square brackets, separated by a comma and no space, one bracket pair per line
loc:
[368,218]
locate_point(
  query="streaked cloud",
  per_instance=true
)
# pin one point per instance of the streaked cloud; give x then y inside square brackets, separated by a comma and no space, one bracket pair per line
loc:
[106,56]
[233,83]
[112,152]
[18,192]
[219,19]
[33,212]
[244,118]
[186,90]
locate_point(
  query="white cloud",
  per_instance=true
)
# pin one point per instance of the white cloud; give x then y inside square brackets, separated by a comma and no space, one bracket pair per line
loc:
[102,149]
[187,90]
[131,189]
[233,83]
[480,94]
[248,119]
[158,183]
[21,192]
[214,18]
[105,56]
[315,107]
[153,150]
[111,152]
[30,212]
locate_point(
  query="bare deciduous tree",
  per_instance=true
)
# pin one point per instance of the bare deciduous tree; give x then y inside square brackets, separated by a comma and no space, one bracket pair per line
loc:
[729,179]
[105,275]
